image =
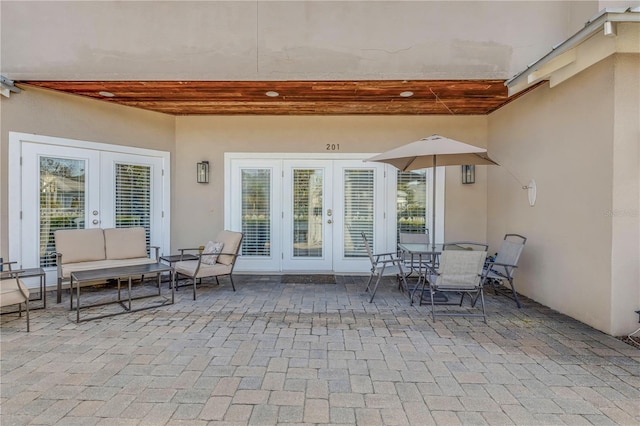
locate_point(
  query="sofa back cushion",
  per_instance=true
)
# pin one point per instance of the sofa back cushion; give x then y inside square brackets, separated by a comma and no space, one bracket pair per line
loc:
[231,243]
[80,245]
[125,243]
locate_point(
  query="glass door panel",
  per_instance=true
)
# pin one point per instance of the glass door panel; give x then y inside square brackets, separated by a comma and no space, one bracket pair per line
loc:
[57,182]
[256,212]
[307,216]
[307,212]
[358,211]
[62,201]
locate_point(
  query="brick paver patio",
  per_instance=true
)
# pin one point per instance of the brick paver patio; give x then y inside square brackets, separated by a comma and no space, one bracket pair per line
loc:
[274,353]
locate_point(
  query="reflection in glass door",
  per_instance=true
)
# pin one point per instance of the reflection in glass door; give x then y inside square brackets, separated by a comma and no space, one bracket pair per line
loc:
[62,201]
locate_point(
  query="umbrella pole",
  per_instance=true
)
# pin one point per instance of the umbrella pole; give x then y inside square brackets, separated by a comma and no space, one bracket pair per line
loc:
[433,204]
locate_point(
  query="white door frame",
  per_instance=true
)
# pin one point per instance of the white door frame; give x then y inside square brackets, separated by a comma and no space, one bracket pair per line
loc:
[17,195]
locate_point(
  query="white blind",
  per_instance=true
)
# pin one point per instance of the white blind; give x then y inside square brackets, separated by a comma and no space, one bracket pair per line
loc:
[133,197]
[256,212]
[358,211]
[62,201]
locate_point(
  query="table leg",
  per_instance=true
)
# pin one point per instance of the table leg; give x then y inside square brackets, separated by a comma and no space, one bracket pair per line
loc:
[173,284]
[77,301]
[129,292]
[43,289]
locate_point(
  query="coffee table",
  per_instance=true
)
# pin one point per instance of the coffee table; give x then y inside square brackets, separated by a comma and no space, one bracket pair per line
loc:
[119,273]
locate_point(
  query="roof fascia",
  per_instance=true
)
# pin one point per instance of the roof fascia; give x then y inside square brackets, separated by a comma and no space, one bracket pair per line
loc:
[577,52]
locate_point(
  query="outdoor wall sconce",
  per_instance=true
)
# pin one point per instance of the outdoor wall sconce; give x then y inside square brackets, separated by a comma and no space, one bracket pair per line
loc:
[468,174]
[202,172]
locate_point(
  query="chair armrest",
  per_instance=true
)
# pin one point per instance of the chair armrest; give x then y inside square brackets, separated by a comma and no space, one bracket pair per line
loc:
[182,250]
[157,250]
[2,264]
[503,264]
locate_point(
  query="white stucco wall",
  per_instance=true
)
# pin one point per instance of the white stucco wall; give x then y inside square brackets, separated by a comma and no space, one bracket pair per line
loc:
[280,40]
[571,139]
[199,208]
[625,213]
[52,114]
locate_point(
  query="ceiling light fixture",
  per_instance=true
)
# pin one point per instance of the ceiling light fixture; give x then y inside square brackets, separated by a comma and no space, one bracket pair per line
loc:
[272,94]
[106,94]
[406,94]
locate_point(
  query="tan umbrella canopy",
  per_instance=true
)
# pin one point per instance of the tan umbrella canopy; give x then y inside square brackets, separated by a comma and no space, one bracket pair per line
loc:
[433,151]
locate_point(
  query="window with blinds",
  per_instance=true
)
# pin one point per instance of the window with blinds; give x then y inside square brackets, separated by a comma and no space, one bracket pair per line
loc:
[133,197]
[412,202]
[62,201]
[256,212]
[358,210]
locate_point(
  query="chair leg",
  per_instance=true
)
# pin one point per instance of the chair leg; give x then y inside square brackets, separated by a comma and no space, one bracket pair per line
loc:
[26,304]
[515,295]
[368,283]
[433,305]
[59,290]
[375,287]
[484,314]
[231,279]
[194,288]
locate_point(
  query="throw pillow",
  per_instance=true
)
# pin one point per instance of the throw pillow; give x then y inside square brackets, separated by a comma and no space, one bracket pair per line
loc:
[210,252]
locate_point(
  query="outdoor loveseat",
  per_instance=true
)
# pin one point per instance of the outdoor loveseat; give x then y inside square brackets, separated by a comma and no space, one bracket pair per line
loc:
[96,248]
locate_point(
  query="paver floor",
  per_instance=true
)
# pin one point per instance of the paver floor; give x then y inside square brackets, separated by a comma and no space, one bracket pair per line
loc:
[273,353]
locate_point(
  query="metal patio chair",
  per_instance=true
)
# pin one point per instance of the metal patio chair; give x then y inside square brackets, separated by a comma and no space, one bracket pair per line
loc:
[212,263]
[383,264]
[503,267]
[459,273]
[14,292]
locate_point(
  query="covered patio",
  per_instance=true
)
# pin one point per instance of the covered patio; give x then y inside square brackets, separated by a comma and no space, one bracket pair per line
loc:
[314,354]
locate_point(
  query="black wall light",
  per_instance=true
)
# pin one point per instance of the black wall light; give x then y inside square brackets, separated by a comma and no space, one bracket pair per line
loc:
[202,172]
[468,174]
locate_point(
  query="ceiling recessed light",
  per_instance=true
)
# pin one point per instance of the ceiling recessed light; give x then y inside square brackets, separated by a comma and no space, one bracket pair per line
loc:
[272,94]
[406,94]
[106,94]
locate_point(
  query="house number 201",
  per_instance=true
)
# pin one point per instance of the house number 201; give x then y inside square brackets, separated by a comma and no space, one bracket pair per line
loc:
[333,147]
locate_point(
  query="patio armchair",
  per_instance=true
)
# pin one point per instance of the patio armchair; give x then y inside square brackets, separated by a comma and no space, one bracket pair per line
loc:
[503,267]
[383,264]
[217,259]
[13,291]
[459,272]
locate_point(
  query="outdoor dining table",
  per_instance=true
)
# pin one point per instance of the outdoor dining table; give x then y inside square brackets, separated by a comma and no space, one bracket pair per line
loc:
[427,254]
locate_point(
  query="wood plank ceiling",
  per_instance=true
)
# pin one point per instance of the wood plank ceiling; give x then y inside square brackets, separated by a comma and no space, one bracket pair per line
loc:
[370,97]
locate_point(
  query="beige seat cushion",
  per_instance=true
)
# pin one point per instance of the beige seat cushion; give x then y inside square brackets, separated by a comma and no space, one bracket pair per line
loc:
[188,268]
[10,293]
[80,245]
[231,243]
[67,269]
[125,243]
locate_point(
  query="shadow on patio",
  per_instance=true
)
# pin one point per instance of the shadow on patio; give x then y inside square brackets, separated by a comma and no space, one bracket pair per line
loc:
[314,353]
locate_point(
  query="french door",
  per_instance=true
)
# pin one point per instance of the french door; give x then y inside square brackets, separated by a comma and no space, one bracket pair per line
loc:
[71,187]
[306,215]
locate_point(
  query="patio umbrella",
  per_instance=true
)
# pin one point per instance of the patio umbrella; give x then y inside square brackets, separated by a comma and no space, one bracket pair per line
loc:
[433,151]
